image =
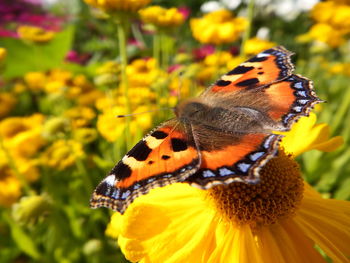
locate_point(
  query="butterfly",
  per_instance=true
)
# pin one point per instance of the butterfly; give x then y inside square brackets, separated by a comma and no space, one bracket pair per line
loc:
[225,135]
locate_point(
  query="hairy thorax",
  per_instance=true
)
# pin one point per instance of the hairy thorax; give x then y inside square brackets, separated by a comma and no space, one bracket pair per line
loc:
[233,119]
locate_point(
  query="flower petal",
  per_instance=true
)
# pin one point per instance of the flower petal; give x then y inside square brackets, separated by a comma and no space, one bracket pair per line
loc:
[305,136]
[326,222]
[163,226]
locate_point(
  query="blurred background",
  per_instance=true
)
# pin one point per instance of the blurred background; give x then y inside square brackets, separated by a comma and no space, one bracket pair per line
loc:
[68,68]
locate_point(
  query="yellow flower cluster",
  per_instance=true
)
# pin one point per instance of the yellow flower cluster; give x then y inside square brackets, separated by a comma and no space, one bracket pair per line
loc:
[118,5]
[21,141]
[218,27]
[332,23]
[217,64]
[35,34]
[162,17]
[7,103]
[142,74]
[63,83]
[62,154]
[339,68]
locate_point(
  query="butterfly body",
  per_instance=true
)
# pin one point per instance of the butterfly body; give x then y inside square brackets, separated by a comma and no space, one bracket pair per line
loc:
[223,136]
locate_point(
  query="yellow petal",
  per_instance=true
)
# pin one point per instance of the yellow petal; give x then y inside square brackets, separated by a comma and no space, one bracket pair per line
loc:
[154,217]
[326,222]
[305,136]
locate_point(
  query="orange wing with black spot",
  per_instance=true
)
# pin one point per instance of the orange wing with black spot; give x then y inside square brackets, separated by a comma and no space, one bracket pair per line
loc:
[267,67]
[167,155]
[234,158]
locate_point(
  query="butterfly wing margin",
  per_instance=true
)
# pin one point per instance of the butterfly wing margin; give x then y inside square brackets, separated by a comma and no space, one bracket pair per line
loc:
[290,99]
[166,155]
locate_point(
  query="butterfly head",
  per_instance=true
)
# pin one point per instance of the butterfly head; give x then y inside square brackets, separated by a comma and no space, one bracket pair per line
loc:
[192,109]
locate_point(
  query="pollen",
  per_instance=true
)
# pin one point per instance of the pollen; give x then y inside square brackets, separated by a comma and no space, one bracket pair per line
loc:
[276,196]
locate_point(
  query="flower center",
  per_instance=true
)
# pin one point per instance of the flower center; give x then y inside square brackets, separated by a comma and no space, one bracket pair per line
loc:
[276,196]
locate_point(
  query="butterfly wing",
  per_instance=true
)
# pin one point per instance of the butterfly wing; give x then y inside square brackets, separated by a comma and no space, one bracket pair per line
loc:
[167,155]
[265,90]
[266,86]
[265,68]
[227,158]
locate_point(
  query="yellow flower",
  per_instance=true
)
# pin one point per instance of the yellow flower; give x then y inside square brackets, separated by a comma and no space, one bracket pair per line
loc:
[89,98]
[22,135]
[217,64]
[31,208]
[55,87]
[256,45]
[109,126]
[333,23]
[118,5]
[35,80]
[281,219]
[55,127]
[218,27]
[35,34]
[107,73]
[318,137]
[142,72]
[62,154]
[335,14]
[7,102]
[322,12]
[162,17]
[85,135]
[80,116]
[323,33]
[339,68]
[10,187]
[60,75]
[3,54]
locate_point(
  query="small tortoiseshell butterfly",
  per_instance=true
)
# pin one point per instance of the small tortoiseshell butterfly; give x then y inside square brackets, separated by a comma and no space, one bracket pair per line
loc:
[225,135]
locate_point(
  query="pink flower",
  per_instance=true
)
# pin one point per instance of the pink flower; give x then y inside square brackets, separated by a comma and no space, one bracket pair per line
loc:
[203,51]
[185,11]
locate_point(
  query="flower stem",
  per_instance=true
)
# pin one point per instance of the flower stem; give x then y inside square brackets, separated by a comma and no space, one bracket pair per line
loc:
[122,31]
[156,48]
[247,32]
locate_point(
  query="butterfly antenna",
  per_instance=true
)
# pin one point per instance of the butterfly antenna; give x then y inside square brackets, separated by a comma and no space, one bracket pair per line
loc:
[180,86]
[138,113]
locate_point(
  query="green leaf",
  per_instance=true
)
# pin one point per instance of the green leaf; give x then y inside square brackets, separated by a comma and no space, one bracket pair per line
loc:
[23,57]
[22,239]
[343,191]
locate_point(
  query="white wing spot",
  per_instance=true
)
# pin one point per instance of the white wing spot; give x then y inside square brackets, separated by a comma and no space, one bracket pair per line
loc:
[297,108]
[243,167]
[261,55]
[303,101]
[298,85]
[208,173]
[225,171]
[110,180]
[255,156]
[302,93]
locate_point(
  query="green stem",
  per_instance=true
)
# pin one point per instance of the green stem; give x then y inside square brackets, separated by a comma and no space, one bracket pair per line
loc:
[27,189]
[156,48]
[247,32]
[137,34]
[122,30]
